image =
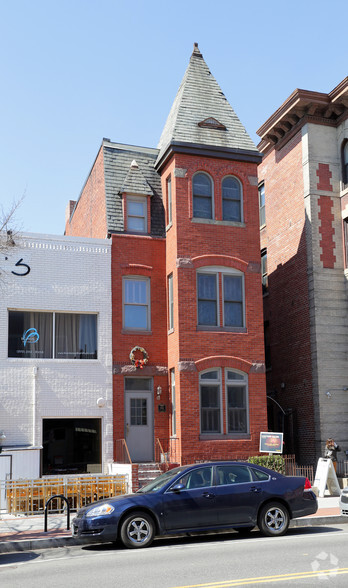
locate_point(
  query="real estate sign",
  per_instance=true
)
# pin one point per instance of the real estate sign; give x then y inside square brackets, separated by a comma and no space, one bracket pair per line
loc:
[271,442]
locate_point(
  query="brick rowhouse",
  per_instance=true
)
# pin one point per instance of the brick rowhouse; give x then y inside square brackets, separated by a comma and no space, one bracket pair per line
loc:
[183,220]
[305,183]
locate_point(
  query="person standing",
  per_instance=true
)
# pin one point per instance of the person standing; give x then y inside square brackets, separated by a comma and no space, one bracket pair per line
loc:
[331,449]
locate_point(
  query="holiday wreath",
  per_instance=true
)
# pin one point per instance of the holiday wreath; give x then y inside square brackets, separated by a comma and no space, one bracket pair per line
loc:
[139,363]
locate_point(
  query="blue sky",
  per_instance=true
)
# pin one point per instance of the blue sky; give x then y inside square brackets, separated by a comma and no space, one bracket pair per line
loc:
[76,71]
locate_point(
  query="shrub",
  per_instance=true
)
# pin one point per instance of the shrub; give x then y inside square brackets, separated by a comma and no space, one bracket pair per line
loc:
[272,462]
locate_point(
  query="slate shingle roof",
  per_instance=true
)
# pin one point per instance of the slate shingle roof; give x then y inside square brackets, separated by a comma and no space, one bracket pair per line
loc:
[118,175]
[199,98]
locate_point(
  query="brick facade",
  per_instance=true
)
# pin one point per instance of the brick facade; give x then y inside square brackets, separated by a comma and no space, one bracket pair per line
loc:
[306,302]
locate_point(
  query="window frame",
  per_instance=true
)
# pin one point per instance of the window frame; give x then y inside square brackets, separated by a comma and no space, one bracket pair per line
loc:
[171,302]
[264,271]
[169,201]
[236,384]
[241,216]
[53,335]
[220,297]
[262,204]
[139,199]
[147,305]
[173,402]
[196,195]
[218,384]
[344,163]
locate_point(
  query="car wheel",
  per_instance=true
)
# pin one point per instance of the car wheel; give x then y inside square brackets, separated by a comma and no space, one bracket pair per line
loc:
[274,519]
[137,530]
[243,530]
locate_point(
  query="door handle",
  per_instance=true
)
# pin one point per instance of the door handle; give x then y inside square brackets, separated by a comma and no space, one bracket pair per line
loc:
[255,489]
[208,495]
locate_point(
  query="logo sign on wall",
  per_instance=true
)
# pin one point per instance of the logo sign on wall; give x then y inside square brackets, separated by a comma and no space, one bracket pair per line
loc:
[30,336]
[271,442]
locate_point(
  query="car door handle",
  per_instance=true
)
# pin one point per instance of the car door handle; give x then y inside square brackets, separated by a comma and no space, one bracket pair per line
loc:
[208,495]
[255,489]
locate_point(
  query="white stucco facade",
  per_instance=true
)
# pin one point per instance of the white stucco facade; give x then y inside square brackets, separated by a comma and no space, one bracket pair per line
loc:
[69,277]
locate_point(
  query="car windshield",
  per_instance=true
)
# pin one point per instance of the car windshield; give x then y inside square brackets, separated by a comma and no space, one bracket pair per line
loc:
[161,481]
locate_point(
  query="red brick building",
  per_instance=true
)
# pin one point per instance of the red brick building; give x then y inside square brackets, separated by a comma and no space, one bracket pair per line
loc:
[304,219]
[188,351]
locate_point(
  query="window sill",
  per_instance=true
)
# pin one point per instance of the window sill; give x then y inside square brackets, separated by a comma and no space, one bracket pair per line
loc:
[222,437]
[135,332]
[224,223]
[222,329]
[54,359]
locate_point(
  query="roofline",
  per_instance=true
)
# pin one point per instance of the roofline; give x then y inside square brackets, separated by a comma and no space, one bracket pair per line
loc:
[207,151]
[298,96]
[301,107]
[124,147]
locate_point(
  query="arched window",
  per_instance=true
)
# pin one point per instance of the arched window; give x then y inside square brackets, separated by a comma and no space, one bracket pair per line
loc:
[210,399]
[202,189]
[231,199]
[237,401]
[345,162]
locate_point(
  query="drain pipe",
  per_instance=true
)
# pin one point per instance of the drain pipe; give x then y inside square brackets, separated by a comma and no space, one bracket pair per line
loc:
[34,372]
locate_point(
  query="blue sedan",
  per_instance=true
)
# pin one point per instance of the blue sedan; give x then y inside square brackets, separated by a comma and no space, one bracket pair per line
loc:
[201,497]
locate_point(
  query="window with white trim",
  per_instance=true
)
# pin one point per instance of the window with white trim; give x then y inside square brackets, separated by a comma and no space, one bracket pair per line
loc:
[210,400]
[231,199]
[136,303]
[170,303]
[169,201]
[202,195]
[237,401]
[345,162]
[137,214]
[262,205]
[172,389]
[223,286]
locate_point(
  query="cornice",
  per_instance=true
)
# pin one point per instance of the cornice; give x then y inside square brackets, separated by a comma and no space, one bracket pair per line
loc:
[301,107]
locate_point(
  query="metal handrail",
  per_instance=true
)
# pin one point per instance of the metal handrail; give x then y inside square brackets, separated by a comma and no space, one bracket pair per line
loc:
[125,457]
[62,497]
[159,458]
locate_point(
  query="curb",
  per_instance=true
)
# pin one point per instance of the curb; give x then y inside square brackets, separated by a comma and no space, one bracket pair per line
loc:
[53,542]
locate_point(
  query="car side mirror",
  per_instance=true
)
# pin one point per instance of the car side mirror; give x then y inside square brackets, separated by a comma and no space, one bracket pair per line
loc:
[177,487]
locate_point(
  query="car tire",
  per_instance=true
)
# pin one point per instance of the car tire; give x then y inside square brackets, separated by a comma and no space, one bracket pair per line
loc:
[137,530]
[243,530]
[274,519]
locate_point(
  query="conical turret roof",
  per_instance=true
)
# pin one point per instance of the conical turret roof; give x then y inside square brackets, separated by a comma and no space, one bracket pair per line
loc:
[201,114]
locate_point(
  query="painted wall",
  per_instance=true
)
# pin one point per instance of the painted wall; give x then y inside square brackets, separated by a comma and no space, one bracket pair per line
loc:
[70,275]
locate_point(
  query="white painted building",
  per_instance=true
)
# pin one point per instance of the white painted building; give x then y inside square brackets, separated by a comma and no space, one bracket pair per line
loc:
[55,357]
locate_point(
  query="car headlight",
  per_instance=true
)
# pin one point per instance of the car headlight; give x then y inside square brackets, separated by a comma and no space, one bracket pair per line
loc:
[100,511]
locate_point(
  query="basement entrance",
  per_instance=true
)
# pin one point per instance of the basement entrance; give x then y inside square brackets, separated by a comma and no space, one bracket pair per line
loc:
[71,446]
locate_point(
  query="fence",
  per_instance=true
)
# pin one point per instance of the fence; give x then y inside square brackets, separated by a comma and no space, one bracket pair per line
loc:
[30,496]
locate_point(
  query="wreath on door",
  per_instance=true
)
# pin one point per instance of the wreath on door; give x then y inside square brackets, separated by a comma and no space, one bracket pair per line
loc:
[139,363]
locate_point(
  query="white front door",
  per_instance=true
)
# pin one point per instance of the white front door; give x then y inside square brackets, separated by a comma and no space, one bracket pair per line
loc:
[139,421]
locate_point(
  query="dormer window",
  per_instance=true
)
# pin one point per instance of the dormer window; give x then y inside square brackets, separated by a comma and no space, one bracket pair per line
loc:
[137,214]
[202,188]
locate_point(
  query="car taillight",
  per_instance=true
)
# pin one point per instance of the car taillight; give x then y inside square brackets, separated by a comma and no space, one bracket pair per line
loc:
[307,485]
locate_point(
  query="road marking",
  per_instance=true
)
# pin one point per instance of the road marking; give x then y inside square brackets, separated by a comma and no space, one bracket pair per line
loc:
[268,579]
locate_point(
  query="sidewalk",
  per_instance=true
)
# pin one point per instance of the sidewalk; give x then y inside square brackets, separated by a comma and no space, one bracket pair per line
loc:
[27,533]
